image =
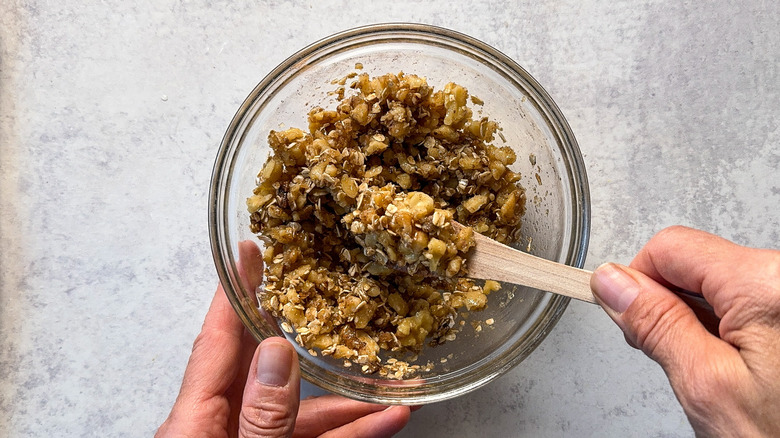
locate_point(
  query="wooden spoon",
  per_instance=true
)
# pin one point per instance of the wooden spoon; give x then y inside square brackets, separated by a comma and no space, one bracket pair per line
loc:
[491,260]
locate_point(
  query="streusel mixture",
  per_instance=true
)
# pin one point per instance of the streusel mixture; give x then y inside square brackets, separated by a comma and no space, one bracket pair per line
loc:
[361,261]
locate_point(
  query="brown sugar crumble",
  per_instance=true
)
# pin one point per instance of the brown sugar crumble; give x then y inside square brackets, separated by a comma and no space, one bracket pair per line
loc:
[361,260]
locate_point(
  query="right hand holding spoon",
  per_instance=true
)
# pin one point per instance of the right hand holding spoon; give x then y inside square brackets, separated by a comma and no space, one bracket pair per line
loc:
[727,385]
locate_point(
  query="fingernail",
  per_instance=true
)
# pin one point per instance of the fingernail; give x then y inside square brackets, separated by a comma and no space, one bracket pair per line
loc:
[614,287]
[274,363]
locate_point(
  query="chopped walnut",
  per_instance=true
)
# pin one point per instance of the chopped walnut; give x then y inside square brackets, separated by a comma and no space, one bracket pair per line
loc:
[356,212]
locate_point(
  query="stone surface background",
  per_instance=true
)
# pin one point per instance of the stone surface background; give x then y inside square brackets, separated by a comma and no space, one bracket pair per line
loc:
[111,114]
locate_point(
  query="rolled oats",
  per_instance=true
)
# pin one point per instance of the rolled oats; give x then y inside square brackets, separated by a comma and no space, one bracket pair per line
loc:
[361,260]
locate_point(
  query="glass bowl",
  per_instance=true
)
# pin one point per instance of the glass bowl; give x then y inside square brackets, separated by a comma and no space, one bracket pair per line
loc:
[555,225]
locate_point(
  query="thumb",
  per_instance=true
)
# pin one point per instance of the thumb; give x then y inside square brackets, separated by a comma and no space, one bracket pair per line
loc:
[271,396]
[652,318]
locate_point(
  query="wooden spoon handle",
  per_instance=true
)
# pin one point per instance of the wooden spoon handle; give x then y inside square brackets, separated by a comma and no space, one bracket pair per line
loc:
[491,260]
[494,261]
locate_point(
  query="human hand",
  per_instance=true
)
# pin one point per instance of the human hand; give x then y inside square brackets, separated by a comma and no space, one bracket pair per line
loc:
[728,386]
[233,387]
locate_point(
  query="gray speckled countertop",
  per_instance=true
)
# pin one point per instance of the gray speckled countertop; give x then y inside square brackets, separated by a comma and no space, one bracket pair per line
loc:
[110,117]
